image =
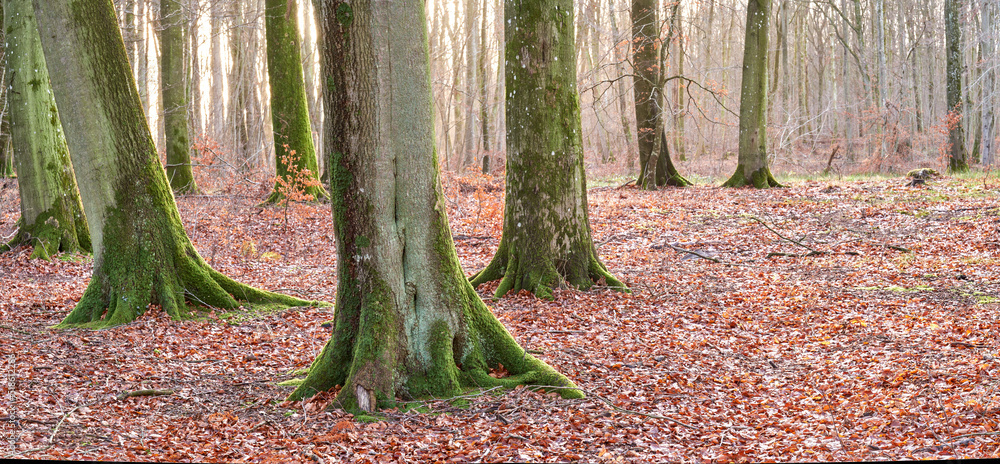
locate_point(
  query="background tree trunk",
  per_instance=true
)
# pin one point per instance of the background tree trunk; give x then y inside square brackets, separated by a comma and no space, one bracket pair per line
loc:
[752,169]
[988,42]
[408,324]
[142,254]
[52,217]
[174,90]
[546,234]
[295,154]
[655,167]
[954,67]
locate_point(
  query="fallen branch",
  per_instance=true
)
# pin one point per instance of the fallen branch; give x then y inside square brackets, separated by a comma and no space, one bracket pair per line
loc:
[130,394]
[812,251]
[56,430]
[14,329]
[699,255]
[897,248]
[637,413]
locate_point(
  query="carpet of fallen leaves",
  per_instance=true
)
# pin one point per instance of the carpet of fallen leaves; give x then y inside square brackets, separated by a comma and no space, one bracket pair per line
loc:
[828,321]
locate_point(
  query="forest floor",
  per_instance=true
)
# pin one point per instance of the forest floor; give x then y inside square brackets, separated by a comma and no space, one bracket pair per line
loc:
[871,331]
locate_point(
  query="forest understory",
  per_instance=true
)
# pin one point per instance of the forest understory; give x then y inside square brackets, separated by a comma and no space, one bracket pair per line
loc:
[834,320]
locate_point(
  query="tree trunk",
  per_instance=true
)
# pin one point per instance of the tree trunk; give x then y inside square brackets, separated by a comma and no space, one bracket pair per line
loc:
[295,154]
[988,42]
[142,254]
[752,169]
[217,122]
[51,213]
[174,94]
[619,57]
[240,80]
[648,75]
[6,149]
[546,233]
[954,68]
[407,323]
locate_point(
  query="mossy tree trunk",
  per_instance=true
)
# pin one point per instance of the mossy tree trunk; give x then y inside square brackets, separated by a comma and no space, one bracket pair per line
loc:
[546,234]
[142,254]
[174,93]
[52,217]
[752,169]
[957,159]
[408,324]
[295,155]
[648,77]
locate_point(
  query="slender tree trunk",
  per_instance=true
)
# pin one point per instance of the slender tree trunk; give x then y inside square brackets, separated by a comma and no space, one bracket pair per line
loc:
[752,169]
[622,91]
[546,234]
[681,140]
[655,166]
[6,149]
[52,217]
[295,154]
[407,324]
[240,80]
[471,79]
[194,84]
[174,94]
[954,68]
[217,93]
[142,254]
[988,41]
[482,86]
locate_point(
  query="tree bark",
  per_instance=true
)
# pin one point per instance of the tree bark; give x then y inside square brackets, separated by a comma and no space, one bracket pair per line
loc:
[954,68]
[752,168]
[408,324]
[174,91]
[52,217]
[546,233]
[655,167]
[142,254]
[295,154]
[988,42]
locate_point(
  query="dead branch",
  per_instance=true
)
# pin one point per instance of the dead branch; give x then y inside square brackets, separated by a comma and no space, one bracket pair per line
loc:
[151,392]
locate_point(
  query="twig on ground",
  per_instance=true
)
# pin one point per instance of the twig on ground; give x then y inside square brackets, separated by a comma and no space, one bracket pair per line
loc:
[977,434]
[637,413]
[151,392]
[812,250]
[699,255]
[56,429]
[14,329]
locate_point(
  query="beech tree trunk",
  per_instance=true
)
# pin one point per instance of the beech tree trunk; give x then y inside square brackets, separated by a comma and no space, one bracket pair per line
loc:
[546,233]
[142,254]
[648,78]
[752,168]
[174,93]
[988,42]
[52,217]
[953,71]
[295,154]
[408,324]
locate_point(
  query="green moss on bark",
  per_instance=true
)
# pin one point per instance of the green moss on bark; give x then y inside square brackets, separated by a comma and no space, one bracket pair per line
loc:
[546,235]
[52,217]
[295,154]
[408,324]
